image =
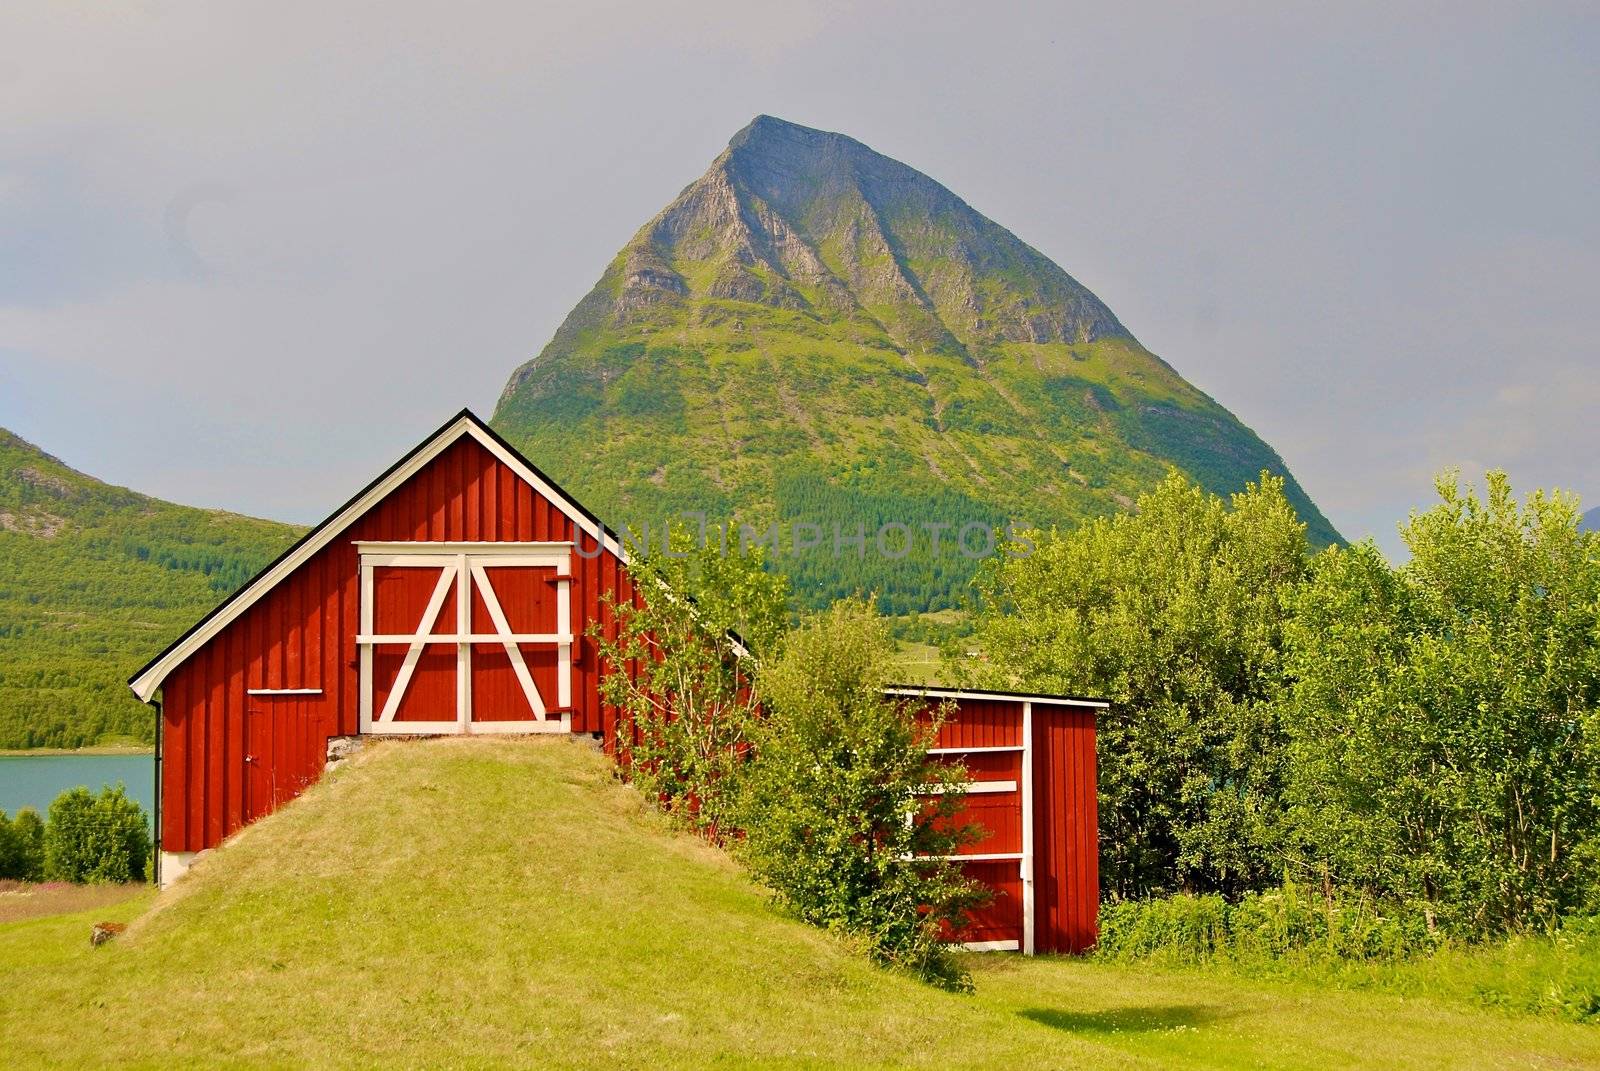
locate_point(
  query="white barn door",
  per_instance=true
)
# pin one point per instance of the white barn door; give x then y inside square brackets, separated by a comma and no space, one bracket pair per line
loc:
[466,637]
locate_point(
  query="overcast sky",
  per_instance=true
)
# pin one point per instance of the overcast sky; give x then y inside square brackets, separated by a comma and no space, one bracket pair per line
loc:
[247,257]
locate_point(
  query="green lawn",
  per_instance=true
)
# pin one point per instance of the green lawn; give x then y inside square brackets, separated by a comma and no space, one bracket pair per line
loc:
[479,903]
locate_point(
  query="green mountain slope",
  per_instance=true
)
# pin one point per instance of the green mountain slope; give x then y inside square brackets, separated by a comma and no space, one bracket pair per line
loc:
[93,580]
[346,931]
[814,332]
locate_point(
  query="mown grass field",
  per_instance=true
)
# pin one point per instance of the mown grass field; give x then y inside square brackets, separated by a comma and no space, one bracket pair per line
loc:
[473,903]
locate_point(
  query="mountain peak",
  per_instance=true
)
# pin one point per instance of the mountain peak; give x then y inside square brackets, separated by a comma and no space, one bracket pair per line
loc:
[811,319]
[769,134]
[798,218]
[771,125]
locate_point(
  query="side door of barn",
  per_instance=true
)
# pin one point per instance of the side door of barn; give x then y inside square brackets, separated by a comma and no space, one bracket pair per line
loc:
[261,716]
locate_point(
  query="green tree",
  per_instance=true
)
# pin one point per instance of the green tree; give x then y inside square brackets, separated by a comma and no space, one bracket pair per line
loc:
[91,838]
[1442,722]
[696,634]
[1175,613]
[10,850]
[27,838]
[845,814]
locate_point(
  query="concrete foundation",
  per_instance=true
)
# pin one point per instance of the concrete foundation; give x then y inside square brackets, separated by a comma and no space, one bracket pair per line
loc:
[174,865]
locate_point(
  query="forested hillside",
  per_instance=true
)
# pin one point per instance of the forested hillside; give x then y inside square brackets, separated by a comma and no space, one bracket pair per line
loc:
[95,579]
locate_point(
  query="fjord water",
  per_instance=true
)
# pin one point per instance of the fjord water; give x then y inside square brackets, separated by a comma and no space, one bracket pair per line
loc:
[35,780]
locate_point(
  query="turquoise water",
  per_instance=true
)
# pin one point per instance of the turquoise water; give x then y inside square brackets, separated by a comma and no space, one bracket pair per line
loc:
[35,780]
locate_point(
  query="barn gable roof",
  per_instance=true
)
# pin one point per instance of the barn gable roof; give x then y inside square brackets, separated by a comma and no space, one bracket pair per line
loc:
[465,424]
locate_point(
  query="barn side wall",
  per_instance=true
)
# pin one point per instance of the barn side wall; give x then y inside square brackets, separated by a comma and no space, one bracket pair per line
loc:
[301,635]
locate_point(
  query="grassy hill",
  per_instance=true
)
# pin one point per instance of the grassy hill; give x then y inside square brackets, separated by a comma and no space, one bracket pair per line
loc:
[475,903]
[812,332]
[94,579]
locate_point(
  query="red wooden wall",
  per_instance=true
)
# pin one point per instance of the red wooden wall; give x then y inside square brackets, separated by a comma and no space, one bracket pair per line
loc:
[302,633]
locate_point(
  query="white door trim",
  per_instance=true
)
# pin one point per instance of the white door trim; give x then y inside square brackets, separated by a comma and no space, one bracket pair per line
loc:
[466,566]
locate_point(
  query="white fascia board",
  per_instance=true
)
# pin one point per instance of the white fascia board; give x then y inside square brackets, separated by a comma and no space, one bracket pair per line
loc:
[1017,697]
[144,686]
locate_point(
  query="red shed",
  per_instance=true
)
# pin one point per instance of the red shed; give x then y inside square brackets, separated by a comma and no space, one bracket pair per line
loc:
[1031,764]
[454,594]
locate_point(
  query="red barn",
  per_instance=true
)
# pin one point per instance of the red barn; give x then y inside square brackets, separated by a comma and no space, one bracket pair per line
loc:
[454,594]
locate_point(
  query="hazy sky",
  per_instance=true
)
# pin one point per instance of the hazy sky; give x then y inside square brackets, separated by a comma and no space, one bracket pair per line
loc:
[250,254]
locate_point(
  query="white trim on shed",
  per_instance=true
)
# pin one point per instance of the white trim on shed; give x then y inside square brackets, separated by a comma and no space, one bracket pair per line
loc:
[959,693]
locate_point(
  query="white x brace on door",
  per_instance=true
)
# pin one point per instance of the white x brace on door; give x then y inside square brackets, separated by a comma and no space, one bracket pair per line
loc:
[465,637]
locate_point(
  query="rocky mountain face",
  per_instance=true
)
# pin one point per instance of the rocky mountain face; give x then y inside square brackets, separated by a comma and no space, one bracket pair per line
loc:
[813,332]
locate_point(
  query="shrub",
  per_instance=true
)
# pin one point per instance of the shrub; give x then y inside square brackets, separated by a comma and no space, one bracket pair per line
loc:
[1182,929]
[825,787]
[92,838]
[22,846]
[683,719]
[9,861]
[1556,975]
[1278,924]
[837,811]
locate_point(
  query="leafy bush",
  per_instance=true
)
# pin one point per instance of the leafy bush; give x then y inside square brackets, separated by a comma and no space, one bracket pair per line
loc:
[22,846]
[1182,929]
[92,838]
[1556,975]
[784,744]
[837,811]
[1288,934]
[10,861]
[683,719]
